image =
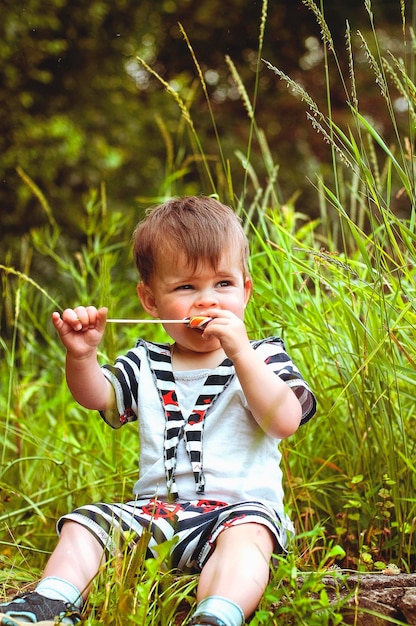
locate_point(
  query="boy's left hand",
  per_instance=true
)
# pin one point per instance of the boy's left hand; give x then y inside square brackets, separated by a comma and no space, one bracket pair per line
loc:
[229,330]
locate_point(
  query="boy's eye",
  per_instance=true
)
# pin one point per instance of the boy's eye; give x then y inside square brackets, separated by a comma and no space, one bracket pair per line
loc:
[224,283]
[185,287]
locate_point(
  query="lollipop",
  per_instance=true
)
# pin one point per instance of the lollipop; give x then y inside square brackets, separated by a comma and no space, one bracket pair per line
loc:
[197,322]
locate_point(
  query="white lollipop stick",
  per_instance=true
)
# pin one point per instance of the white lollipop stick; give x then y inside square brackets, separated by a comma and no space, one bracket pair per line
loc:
[197,321]
[126,321]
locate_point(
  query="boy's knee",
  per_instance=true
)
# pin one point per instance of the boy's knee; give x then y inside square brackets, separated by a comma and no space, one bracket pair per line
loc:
[248,535]
[79,537]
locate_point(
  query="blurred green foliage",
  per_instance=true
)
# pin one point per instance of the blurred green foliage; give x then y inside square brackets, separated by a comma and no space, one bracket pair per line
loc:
[77,109]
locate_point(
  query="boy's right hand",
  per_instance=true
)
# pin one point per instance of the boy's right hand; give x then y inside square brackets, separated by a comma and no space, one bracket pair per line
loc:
[80,329]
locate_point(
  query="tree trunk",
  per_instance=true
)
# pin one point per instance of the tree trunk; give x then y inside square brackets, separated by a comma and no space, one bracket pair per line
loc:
[374,599]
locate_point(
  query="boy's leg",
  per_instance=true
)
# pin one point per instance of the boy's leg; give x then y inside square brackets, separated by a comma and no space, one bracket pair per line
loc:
[234,578]
[76,558]
[65,582]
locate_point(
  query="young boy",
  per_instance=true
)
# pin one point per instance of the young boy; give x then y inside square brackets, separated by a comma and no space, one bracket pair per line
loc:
[211,408]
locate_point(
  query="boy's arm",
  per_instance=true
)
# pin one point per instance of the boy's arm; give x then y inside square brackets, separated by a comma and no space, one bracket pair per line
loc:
[80,331]
[272,402]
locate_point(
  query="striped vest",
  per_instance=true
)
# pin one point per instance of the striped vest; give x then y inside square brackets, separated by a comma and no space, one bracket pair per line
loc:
[176,427]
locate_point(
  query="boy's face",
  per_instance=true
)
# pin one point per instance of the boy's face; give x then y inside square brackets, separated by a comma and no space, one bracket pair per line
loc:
[177,291]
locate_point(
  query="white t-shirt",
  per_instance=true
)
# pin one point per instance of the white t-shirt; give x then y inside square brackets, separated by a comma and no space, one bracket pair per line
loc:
[240,462]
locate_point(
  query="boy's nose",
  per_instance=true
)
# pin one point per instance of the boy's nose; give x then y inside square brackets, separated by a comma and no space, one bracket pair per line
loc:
[207,299]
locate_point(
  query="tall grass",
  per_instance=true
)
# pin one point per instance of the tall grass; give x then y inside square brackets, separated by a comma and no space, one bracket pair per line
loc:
[340,290]
[360,326]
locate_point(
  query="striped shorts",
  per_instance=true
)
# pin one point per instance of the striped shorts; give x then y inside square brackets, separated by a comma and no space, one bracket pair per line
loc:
[194,525]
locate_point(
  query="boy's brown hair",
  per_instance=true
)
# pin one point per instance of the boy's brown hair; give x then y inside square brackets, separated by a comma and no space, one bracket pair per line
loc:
[200,228]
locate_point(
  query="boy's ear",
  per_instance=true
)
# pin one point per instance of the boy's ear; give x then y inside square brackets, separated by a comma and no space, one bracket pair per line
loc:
[248,286]
[147,299]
